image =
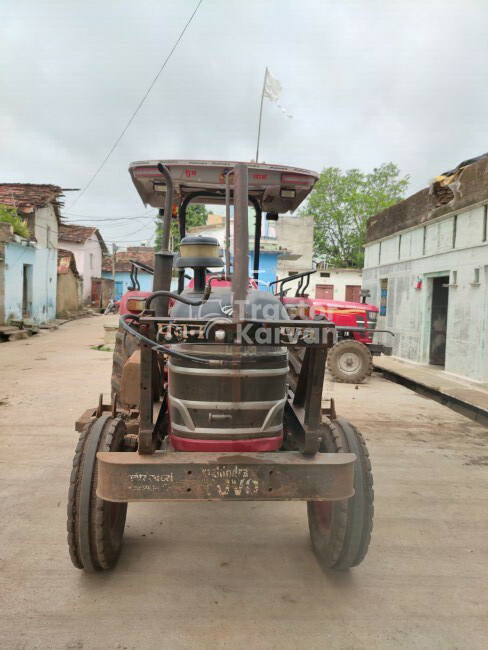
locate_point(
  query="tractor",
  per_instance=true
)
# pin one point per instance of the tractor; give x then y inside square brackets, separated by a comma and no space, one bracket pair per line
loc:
[210,401]
[350,360]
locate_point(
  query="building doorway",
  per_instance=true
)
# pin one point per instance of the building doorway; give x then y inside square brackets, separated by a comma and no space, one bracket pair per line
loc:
[119,289]
[438,327]
[353,293]
[324,291]
[27,291]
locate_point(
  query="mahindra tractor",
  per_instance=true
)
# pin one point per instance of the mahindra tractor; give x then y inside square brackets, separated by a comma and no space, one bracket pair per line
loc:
[216,390]
[350,360]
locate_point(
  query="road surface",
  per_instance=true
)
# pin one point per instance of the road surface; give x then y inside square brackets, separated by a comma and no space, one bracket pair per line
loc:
[213,575]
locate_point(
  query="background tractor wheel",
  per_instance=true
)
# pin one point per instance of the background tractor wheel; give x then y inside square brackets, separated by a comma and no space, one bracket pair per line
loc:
[349,362]
[125,346]
[95,527]
[341,530]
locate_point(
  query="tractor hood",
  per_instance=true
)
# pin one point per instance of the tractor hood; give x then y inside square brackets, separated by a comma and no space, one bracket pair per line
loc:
[277,188]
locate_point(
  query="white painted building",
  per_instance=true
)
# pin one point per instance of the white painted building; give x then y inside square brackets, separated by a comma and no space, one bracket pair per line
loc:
[295,233]
[88,247]
[426,265]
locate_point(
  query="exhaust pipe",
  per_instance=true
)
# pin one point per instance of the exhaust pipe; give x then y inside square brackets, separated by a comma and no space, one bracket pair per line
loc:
[163,259]
[241,242]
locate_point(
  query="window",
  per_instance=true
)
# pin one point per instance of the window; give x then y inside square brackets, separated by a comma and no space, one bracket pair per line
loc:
[454,278]
[399,246]
[383,296]
[454,231]
[476,276]
[425,239]
[485,219]
[325,275]
[91,260]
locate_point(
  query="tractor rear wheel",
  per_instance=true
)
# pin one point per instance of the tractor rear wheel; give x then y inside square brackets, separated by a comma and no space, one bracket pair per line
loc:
[349,362]
[95,527]
[340,531]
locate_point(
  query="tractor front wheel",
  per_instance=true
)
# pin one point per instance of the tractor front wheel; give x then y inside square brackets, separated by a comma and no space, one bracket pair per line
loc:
[95,527]
[340,531]
[349,362]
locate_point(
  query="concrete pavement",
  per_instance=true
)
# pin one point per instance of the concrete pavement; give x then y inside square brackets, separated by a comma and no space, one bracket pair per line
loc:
[238,575]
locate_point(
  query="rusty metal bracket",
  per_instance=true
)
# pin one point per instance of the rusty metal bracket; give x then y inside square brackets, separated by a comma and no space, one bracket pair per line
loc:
[227,476]
[146,430]
[305,402]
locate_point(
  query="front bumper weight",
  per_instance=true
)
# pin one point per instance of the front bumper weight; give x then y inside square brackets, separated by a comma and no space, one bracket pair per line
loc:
[226,476]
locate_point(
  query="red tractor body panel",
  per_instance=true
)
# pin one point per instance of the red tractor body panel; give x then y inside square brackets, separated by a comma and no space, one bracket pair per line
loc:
[344,314]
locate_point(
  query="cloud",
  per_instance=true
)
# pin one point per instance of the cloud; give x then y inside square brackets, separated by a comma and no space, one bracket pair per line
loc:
[366,82]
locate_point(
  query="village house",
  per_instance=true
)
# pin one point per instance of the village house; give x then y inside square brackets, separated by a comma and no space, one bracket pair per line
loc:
[141,254]
[295,234]
[426,266]
[28,266]
[88,247]
[69,292]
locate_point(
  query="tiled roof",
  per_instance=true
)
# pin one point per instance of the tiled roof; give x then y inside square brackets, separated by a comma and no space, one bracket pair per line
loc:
[26,197]
[122,260]
[80,234]
[66,261]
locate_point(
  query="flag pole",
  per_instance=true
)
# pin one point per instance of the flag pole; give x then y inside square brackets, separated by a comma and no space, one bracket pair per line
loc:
[261,114]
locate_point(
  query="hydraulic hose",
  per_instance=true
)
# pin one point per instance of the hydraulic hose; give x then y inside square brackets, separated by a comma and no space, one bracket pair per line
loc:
[187,301]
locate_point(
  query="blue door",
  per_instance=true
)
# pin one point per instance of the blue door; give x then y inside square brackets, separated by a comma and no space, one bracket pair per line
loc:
[119,290]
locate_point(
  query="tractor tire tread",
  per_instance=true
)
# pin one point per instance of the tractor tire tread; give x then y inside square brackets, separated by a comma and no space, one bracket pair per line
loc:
[73,498]
[363,352]
[104,557]
[337,554]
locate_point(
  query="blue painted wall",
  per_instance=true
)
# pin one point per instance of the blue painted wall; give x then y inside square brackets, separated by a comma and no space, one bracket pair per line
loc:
[123,281]
[42,271]
[268,262]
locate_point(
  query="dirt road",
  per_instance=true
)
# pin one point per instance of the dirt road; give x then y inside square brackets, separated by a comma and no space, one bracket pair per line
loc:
[238,575]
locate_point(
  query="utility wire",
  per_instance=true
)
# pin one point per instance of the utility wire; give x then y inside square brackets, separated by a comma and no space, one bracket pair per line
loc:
[97,217]
[137,109]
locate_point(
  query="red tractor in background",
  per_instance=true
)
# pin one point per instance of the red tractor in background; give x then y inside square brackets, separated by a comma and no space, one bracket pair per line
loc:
[350,359]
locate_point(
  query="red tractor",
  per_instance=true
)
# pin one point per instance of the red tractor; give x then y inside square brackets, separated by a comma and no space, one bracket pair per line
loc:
[350,360]
[209,400]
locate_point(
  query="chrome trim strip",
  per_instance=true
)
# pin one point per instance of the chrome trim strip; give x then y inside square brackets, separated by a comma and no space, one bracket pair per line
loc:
[205,430]
[183,411]
[227,406]
[227,372]
[272,412]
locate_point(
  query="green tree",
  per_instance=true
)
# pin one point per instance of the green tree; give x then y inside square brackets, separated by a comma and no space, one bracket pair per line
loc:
[9,215]
[341,203]
[196,215]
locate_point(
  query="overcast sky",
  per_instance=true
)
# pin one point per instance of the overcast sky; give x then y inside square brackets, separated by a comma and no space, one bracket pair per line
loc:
[367,82]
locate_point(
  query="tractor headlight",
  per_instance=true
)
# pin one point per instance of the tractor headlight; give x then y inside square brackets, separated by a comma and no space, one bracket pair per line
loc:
[372,319]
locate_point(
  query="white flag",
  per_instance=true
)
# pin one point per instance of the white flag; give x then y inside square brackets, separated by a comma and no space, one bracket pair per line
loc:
[272,87]
[272,90]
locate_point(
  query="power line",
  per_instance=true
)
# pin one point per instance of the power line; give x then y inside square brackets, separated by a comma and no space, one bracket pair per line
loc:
[98,217]
[106,222]
[138,107]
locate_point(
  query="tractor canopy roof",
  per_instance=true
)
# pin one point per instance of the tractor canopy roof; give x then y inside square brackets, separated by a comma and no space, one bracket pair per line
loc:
[275,187]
